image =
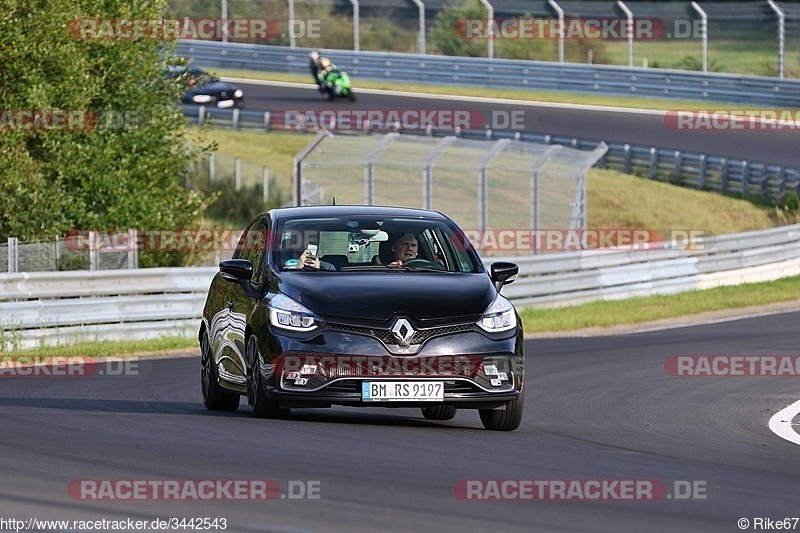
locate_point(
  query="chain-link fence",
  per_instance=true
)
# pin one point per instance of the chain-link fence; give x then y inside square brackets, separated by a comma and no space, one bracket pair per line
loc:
[484,185]
[76,252]
[741,37]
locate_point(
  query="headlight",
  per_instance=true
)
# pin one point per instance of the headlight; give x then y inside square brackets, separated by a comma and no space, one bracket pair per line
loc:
[498,317]
[238,93]
[202,98]
[285,313]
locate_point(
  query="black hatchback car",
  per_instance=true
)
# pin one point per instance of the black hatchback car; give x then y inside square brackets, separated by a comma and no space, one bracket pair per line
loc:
[362,306]
[204,89]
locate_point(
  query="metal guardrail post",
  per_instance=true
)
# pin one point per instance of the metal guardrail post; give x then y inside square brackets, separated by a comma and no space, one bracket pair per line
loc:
[235,119]
[653,163]
[627,161]
[490,22]
[781,33]
[703,34]
[421,45]
[677,170]
[745,178]
[560,13]
[703,172]
[724,172]
[628,30]
[267,116]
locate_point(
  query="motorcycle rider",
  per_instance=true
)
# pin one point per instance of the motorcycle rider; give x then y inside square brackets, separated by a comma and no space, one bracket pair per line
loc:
[314,66]
[326,68]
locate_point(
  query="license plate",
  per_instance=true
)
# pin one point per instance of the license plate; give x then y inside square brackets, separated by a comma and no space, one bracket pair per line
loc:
[394,391]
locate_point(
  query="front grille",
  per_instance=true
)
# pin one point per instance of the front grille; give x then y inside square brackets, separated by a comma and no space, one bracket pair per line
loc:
[386,337]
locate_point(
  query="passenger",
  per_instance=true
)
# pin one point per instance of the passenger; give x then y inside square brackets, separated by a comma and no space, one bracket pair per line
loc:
[309,257]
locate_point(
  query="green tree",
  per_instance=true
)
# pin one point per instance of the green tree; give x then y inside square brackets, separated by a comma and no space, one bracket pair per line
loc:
[123,166]
[448,35]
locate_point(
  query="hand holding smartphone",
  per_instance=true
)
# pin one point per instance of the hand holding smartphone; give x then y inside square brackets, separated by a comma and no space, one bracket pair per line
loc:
[312,249]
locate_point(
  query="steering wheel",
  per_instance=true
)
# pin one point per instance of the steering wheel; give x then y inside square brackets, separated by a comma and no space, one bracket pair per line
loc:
[423,263]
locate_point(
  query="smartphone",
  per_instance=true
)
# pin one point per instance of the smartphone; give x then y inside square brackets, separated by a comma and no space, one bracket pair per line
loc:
[312,249]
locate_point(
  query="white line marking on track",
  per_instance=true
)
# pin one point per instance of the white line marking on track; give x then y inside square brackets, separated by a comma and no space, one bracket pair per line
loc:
[781,423]
[531,103]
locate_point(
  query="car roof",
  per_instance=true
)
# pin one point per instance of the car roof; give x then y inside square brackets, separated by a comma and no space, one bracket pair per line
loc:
[355,210]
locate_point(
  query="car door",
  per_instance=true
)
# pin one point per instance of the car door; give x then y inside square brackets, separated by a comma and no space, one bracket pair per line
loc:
[242,298]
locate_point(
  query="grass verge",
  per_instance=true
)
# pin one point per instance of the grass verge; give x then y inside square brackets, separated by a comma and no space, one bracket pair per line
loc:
[107,348]
[647,309]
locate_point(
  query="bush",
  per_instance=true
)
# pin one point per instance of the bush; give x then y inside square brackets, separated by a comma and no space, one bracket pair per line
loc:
[56,180]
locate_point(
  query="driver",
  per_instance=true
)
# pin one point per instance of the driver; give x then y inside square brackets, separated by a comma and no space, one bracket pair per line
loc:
[405,247]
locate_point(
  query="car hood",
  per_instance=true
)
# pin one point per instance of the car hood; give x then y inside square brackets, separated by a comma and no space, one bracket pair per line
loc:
[214,88]
[380,295]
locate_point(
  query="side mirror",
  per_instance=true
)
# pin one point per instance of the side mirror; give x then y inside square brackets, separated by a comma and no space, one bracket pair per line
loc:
[236,269]
[503,273]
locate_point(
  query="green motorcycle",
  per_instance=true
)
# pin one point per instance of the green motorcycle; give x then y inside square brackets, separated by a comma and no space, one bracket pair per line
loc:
[337,84]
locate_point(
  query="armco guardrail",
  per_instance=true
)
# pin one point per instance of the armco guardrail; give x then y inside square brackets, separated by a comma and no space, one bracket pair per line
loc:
[47,308]
[690,169]
[63,307]
[506,73]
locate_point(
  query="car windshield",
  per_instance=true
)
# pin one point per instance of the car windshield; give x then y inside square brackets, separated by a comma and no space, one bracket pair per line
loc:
[369,243]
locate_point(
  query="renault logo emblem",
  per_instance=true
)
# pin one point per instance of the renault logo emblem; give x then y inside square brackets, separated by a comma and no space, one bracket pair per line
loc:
[403,332]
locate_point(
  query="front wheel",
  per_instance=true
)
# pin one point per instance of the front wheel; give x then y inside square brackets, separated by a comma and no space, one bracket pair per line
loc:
[215,398]
[508,419]
[260,405]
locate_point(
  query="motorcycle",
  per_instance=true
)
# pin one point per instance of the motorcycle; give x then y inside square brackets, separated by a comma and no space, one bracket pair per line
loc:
[337,84]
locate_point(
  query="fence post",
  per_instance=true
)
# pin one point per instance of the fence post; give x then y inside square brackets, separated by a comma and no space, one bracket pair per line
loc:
[292,40]
[13,255]
[235,119]
[421,31]
[678,169]
[267,117]
[237,173]
[781,32]
[703,34]
[490,26]
[265,183]
[133,248]
[560,13]
[628,30]
[356,29]
[212,166]
[94,263]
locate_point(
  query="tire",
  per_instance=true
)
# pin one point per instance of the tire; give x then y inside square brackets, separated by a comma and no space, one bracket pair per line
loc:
[439,412]
[261,406]
[351,95]
[506,420]
[215,398]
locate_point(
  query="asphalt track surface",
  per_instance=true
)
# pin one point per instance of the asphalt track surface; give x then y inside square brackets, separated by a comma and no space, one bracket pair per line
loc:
[598,408]
[770,146]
